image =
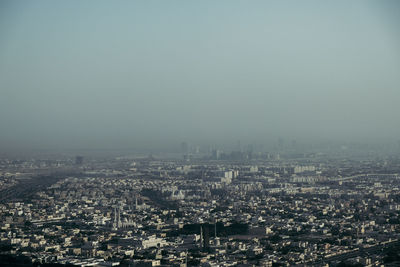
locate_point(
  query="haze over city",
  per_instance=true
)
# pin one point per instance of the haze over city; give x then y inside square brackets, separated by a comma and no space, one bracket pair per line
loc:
[200,133]
[151,74]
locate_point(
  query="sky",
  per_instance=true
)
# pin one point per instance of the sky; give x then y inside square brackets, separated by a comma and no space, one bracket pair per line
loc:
[149,74]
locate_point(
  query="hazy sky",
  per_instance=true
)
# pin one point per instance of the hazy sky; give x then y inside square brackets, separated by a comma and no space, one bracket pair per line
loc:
[114,74]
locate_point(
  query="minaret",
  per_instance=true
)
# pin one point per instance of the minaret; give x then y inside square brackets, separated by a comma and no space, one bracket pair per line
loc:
[215,228]
[114,225]
[216,239]
[119,217]
[201,236]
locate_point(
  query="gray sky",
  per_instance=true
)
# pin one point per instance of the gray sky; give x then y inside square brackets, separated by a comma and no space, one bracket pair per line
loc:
[114,74]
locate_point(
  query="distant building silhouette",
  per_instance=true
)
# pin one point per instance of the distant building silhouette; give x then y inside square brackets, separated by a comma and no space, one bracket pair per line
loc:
[184,148]
[78,160]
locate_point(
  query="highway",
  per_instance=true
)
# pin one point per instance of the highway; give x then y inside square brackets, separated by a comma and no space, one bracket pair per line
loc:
[355,253]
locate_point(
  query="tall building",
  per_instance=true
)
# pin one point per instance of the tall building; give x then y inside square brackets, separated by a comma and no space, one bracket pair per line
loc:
[238,146]
[184,148]
[216,154]
[78,160]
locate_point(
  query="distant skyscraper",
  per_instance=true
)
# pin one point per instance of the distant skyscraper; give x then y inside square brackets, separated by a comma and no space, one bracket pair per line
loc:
[238,146]
[184,148]
[78,160]
[250,148]
[216,154]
